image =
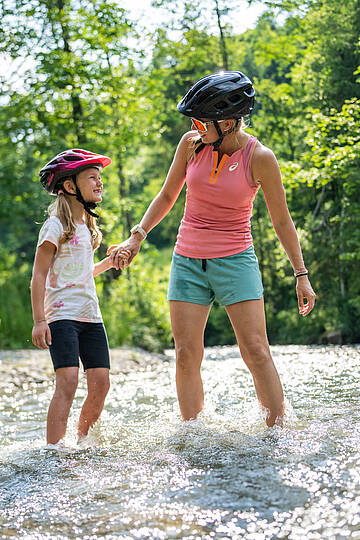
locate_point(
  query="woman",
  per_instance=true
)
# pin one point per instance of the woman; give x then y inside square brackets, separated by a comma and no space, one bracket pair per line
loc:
[223,168]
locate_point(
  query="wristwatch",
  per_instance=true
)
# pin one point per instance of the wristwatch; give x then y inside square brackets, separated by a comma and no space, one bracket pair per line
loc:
[139,229]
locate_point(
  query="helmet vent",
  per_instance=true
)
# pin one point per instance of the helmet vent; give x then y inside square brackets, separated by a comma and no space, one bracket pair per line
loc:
[72,158]
[220,105]
[236,98]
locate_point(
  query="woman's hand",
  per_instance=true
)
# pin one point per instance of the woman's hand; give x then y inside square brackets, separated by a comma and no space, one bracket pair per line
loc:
[123,256]
[41,335]
[131,245]
[304,292]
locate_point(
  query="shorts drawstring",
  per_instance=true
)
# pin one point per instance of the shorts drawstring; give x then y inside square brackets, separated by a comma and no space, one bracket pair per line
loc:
[203,265]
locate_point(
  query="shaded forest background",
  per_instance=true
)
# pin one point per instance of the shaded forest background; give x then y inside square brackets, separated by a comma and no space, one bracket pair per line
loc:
[97,80]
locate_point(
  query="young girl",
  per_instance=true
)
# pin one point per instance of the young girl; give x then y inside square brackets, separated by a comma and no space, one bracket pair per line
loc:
[67,318]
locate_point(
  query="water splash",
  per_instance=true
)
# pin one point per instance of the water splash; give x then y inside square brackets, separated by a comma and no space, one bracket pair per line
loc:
[143,473]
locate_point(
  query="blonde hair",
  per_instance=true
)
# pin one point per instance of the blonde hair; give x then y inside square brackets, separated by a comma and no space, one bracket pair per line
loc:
[61,209]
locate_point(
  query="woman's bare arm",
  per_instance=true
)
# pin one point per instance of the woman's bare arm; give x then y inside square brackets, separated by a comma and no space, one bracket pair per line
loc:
[266,171]
[161,204]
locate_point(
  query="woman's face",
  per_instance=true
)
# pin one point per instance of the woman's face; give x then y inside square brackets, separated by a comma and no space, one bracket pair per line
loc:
[211,135]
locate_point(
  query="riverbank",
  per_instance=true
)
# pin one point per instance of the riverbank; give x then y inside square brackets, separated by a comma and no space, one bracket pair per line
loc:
[31,367]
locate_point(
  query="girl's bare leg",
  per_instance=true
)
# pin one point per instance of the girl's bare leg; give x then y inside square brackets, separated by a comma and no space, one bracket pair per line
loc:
[98,384]
[248,321]
[58,413]
[188,324]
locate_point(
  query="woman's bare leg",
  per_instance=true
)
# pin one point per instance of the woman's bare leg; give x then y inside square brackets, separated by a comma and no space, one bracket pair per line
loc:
[248,321]
[59,409]
[98,384]
[188,324]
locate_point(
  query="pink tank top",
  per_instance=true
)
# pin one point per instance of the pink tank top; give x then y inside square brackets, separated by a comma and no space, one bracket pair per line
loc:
[219,199]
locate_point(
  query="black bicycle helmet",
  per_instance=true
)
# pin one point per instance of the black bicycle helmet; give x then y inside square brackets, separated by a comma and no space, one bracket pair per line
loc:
[227,94]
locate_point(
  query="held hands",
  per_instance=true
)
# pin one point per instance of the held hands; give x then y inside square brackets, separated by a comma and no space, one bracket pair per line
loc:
[122,260]
[122,254]
[41,335]
[304,292]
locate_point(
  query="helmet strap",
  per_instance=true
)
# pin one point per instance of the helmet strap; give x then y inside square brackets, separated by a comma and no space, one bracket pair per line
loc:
[63,190]
[88,206]
[218,142]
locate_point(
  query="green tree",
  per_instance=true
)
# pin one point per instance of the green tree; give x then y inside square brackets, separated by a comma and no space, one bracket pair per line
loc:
[90,82]
[334,157]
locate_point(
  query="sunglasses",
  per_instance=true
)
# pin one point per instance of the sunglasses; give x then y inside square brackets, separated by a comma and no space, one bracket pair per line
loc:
[202,126]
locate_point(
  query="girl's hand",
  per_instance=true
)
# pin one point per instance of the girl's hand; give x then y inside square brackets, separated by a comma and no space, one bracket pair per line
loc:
[304,292]
[131,245]
[123,257]
[41,335]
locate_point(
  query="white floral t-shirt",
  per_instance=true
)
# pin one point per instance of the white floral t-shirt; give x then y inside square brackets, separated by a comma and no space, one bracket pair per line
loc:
[70,288]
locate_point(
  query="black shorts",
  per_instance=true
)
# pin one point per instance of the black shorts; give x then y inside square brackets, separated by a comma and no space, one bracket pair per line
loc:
[73,339]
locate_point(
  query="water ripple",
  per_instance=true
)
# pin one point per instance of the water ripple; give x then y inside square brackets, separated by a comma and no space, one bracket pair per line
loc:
[142,473]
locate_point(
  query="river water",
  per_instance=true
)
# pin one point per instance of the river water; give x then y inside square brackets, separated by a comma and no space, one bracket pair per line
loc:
[142,473]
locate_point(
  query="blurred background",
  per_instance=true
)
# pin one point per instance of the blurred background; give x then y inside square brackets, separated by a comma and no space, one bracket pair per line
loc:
[107,75]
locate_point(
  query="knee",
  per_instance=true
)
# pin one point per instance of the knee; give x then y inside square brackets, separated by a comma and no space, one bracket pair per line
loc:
[256,355]
[66,387]
[99,388]
[103,387]
[188,357]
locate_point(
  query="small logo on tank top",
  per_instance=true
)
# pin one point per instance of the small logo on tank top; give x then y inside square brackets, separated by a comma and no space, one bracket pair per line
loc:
[233,166]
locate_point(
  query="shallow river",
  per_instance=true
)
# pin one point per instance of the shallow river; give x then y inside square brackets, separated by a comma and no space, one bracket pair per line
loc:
[142,473]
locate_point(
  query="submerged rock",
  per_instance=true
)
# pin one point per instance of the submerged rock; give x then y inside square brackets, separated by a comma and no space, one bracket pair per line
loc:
[331,338]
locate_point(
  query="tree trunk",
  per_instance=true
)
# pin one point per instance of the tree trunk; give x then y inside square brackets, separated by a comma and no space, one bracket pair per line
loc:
[223,49]
[77,110]
[342,264]
[123,190]
[123,187]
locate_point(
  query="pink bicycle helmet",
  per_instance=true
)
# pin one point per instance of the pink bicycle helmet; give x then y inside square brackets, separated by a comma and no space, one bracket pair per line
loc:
[67,164]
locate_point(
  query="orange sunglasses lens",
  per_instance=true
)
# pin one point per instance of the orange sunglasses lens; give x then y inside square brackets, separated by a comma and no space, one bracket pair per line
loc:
[198,124]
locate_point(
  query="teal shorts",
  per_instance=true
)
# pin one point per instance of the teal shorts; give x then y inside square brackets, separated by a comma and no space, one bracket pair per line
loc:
[228,279]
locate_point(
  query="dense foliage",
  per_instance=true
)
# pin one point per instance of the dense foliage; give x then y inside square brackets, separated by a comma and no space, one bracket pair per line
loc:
[86,75]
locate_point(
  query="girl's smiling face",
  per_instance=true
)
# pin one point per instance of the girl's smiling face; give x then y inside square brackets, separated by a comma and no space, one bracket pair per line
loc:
[90,184]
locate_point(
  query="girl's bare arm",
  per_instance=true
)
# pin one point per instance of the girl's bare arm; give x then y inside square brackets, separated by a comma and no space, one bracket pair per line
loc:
[106,264]
[41,332]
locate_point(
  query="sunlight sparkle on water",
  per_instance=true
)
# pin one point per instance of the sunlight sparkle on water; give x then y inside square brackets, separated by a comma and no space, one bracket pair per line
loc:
[142,473]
